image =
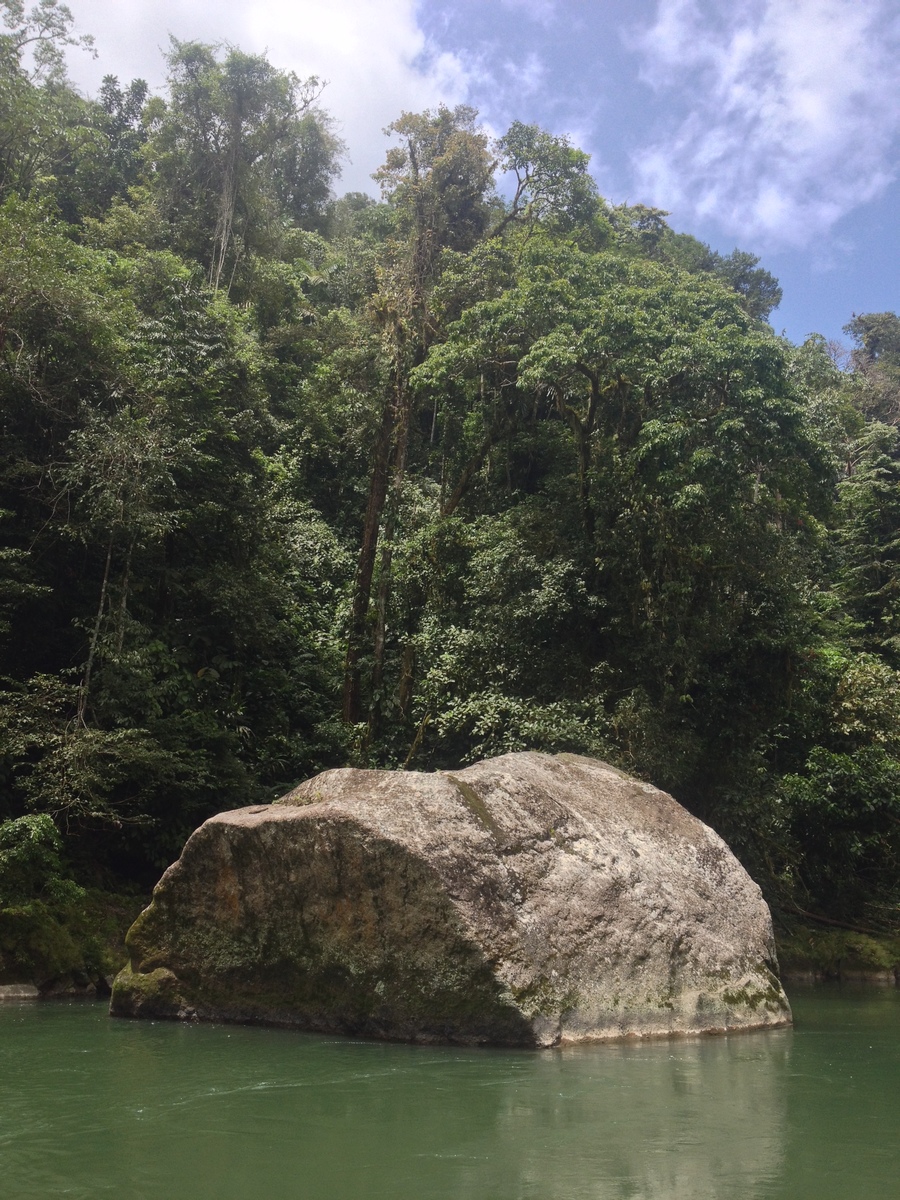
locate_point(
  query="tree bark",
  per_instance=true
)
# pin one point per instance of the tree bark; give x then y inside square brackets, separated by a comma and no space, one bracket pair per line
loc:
[365,570]
[84,690]
[384,577]
[474,465]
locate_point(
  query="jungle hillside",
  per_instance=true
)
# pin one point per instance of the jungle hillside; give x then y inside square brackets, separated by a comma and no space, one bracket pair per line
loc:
[292,480]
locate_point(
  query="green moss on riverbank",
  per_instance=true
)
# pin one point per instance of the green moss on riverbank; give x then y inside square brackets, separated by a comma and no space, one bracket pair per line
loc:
[838,954]
[71,947]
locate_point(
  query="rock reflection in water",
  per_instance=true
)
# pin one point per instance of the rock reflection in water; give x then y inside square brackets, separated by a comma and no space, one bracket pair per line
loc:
[680,1120]
[90,1107]
[676,1120]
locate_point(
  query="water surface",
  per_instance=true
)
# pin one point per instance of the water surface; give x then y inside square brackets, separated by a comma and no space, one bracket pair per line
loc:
[94,1107]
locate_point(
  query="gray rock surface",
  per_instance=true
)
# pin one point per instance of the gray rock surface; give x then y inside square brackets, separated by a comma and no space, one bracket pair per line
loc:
[527,900]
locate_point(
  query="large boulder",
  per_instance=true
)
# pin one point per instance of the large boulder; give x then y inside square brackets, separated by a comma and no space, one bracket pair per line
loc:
[526,900]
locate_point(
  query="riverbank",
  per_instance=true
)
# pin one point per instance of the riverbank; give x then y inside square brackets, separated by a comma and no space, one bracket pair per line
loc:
[69,949]
[811,955]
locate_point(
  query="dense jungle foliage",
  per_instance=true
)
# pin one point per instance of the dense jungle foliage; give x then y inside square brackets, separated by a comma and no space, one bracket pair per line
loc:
[289,481]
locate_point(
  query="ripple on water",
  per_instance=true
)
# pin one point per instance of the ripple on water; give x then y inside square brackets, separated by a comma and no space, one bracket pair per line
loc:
[156,1111]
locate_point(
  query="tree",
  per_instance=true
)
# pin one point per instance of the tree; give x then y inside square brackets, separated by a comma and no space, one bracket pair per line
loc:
[108,161]
[838,802]
[37,106]
[439,181]
[238,149]
[169,654]
[759,289]
[551,180]
[43,32]
[876,360]
[696,484]
[868,546]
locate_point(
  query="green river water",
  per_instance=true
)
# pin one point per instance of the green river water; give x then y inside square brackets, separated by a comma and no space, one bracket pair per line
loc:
[94,1107]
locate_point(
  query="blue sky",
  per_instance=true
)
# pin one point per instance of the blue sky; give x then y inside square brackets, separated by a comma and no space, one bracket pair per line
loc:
[772,125]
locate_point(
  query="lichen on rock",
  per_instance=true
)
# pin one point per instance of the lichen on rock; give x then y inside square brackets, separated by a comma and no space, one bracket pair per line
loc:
[526,900]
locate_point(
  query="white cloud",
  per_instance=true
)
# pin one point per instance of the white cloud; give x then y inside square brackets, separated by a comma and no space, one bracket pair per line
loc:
[542,11]
[793,111]
[372,52]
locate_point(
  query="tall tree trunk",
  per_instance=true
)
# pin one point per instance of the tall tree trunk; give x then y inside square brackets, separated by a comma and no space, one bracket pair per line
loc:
[410,336]
[225,216]
[362,586]
[123,601]
[474,465]
[583,431]
[85,690]
[384,578]
[407,678]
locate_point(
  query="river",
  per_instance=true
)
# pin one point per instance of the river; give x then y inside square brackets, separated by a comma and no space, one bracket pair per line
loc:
[94,1107]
